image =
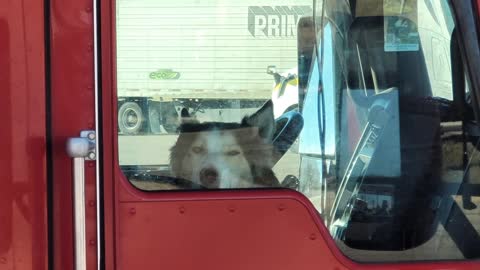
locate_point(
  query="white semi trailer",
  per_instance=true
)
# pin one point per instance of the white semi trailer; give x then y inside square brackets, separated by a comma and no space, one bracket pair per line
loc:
[199,55]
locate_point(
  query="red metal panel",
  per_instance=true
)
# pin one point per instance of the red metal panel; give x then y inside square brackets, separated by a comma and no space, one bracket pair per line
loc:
[260,233]
[232,230]
[72,80]
[23,212]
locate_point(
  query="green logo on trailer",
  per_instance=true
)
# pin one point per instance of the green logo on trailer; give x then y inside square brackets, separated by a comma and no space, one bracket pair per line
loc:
[164,74]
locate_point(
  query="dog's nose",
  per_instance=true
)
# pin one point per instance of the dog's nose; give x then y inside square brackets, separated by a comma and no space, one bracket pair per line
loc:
[209,177]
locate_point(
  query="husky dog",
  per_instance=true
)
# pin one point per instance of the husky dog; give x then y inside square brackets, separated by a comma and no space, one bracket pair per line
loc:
[226,155]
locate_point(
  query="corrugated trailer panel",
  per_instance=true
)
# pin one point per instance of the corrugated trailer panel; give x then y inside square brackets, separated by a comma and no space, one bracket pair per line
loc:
[205,49]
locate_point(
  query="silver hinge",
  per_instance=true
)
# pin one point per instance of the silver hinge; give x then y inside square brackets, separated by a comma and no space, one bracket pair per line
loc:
[83,146]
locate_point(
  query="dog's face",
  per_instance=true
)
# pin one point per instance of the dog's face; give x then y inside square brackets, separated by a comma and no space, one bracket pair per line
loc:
[216,160]
[227,155]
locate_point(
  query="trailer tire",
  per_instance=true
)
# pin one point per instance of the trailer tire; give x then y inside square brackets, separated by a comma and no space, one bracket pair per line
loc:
[130,118]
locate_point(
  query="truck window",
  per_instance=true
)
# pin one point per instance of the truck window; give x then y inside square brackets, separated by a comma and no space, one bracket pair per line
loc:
[214,61]
[362,106]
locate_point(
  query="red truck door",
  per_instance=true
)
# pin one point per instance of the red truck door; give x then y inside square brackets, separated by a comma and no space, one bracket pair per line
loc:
[127,216]
[150,228]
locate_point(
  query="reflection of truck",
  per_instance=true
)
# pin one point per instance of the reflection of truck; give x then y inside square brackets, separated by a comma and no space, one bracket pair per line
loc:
[211,56]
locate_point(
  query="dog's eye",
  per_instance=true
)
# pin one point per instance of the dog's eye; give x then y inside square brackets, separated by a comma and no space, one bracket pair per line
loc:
[197,149]
[233,153]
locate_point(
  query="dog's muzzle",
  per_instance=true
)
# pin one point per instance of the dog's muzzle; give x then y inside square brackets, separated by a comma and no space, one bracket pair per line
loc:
[209,177]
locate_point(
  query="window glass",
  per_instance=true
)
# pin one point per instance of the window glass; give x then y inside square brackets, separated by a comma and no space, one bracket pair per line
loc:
[361,105]
[211,61]
[399,184]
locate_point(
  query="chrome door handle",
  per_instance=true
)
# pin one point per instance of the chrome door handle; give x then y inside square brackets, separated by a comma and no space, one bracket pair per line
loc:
[80,149]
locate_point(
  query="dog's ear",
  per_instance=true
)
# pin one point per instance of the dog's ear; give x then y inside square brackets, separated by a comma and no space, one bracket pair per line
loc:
[184,113]
[264,120]
[186,118]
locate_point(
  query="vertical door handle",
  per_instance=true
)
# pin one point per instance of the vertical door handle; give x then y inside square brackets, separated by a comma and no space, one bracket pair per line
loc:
[80,149]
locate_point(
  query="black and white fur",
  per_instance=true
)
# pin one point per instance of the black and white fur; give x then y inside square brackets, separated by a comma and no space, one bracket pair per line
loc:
[226,155]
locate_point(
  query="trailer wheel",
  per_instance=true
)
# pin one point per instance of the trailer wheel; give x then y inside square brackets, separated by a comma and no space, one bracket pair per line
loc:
[130,118]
